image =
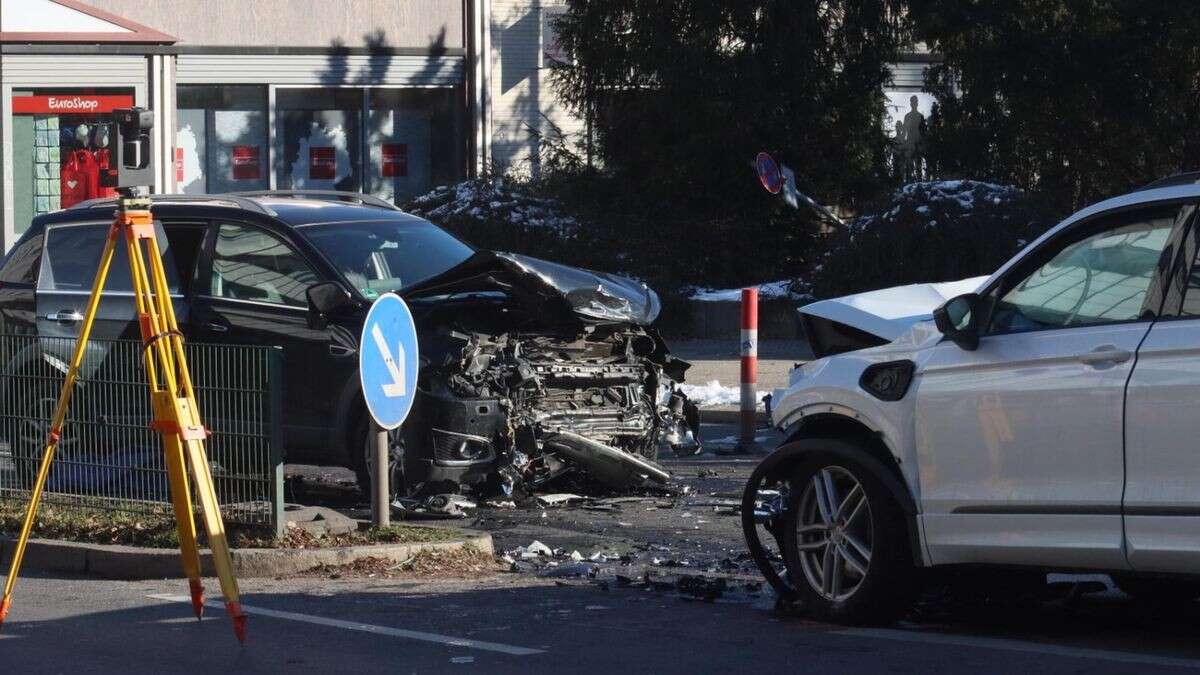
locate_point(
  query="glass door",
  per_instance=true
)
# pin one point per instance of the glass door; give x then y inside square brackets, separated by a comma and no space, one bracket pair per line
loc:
[318,139]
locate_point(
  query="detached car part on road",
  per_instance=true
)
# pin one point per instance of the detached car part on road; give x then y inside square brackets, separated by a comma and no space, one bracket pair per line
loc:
[1042,417]
[530,370]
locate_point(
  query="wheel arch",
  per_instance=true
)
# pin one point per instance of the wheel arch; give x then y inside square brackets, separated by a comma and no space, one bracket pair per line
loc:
[853,439]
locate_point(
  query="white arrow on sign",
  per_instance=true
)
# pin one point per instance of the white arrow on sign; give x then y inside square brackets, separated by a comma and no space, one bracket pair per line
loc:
[395,365]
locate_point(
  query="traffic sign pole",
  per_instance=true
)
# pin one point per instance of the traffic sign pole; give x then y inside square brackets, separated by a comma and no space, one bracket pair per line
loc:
[381,512]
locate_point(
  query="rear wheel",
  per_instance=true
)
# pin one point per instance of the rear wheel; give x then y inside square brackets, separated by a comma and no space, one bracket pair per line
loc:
[34,395]
[845,542]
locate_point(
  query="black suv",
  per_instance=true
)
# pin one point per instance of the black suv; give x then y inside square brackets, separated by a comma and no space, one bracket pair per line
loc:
[530,370]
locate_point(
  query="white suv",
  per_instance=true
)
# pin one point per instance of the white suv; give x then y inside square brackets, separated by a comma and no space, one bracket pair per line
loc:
[1048,419]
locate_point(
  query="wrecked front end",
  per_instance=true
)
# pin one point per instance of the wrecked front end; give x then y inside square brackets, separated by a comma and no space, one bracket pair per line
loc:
[527,382]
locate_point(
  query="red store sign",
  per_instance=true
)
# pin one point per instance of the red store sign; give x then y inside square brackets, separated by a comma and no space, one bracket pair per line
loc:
[245,162]
[322,163]
[69,104]
[395,160]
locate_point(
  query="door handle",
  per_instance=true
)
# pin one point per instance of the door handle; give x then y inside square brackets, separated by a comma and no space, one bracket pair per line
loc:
[1105,354]
[65,316]
[340,350]
[216,327]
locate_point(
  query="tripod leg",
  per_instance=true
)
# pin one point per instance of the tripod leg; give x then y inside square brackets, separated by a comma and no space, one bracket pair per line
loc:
[56,423]
[217,541]
[181,497]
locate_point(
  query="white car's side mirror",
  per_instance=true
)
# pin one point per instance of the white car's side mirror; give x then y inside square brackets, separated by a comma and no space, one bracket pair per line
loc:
[958,320]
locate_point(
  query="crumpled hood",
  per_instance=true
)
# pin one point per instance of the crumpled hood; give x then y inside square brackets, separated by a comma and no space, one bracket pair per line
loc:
[595,297]
[889,312]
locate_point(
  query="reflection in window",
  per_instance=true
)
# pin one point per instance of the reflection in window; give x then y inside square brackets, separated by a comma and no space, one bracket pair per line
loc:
[72,257]
[1100,279]
[221,138]
[249,264]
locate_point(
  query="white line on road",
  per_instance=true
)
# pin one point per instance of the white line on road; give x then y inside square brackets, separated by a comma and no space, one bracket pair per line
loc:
[367,628]
[1019,646]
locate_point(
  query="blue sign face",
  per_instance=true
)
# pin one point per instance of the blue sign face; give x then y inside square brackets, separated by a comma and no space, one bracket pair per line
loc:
[388,361]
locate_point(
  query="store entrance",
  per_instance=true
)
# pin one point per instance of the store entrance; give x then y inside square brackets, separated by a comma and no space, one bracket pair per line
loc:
[61,141]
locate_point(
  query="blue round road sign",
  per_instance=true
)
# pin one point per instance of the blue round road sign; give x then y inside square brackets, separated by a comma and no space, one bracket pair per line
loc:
[388,361]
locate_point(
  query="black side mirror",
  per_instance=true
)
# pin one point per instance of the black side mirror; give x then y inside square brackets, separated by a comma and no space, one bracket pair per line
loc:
[958,320]
[325,300]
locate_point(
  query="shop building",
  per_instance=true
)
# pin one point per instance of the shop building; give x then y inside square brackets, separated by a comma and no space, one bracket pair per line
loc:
[377,96]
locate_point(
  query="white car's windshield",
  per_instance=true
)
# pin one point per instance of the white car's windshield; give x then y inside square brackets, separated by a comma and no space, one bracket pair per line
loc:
[377,257]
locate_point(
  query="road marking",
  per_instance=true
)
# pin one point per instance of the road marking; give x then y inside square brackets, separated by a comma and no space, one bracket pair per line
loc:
[394,365]
[366,627]
[1019,646]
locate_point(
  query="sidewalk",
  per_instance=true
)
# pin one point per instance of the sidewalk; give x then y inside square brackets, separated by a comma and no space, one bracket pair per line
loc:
[720,361]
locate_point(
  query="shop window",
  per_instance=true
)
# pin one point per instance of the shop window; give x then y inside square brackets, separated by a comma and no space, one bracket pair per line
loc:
[318,139]
[221,138]
[61,141]
[415,140]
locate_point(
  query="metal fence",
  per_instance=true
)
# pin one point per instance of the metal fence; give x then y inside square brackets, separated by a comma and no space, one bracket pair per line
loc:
[108,457]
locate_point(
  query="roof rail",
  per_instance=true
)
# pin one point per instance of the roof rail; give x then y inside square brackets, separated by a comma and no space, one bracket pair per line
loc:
[1188,178]
[230,199]
[330,195]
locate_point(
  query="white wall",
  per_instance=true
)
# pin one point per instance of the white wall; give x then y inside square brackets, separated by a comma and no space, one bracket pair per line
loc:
[520,83]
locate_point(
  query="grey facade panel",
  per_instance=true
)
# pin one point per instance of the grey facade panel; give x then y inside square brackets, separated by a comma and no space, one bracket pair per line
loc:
[74,71]
[319,69]
[907,75]
[299,23]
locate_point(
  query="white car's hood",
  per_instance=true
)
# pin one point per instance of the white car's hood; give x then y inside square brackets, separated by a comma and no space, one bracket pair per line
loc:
[889,312]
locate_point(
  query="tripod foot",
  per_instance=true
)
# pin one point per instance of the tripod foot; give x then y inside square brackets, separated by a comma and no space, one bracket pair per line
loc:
[239,620]
[197,598]
[4,605]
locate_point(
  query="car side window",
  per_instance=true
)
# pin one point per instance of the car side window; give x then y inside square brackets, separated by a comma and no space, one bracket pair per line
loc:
[72,256]
[251,264]
[1101,277]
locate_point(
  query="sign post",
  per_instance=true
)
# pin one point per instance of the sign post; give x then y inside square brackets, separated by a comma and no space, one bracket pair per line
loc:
[388,361]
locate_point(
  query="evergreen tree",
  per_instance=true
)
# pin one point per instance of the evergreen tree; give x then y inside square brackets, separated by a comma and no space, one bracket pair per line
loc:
[681,94]
[1075,100]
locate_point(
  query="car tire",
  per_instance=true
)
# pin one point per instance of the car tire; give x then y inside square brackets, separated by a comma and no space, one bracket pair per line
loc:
[1156,591]
[362,445]
[861,534]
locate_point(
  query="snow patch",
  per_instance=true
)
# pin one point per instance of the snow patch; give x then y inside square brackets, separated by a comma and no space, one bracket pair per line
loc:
[713,394]
[788,289]
[491,200]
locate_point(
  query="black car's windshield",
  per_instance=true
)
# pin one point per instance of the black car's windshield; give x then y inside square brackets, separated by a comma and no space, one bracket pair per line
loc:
[381,256]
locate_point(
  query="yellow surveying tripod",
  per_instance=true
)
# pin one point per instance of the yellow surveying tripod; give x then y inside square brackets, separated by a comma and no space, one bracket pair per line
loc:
[176,416]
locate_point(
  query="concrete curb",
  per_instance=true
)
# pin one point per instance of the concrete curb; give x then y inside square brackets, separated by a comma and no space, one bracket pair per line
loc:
[728,416]
[132,563]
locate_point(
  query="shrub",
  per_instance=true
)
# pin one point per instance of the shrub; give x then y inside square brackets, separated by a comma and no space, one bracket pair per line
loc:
[928,232]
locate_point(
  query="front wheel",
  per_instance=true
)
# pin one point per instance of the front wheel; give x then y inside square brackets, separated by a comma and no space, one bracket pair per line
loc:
[845,542]
[364,440]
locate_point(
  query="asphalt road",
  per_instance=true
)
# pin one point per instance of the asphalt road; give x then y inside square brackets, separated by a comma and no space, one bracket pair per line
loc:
[530,622]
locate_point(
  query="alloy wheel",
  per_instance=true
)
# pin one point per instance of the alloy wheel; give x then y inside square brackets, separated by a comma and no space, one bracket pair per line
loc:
[835,534]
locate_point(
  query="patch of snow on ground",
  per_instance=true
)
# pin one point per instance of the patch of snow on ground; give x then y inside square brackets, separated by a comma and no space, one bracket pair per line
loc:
[714,394]
[769,291]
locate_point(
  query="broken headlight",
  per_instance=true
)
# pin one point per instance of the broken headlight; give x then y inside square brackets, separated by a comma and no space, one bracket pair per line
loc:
[452,447]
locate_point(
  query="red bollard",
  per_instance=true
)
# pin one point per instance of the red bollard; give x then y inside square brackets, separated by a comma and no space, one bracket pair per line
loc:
[749,367]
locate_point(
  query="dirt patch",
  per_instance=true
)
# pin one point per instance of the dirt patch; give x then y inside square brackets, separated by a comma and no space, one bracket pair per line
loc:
[156,529]
[464,563]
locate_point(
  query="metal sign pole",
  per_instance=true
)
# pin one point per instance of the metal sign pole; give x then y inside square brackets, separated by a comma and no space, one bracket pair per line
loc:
[381,511]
